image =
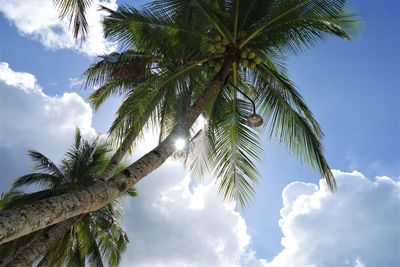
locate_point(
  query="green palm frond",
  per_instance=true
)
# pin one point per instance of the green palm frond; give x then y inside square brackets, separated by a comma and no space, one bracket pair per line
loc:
[75,258]
[78,137]
[42,179]
[58,254]
[86,238]
[142,27]
[293,24]
[112,240]
[151,100]
[234,148]
[127,67]
[291,122]
[42,163]
[7,198]
[75,12]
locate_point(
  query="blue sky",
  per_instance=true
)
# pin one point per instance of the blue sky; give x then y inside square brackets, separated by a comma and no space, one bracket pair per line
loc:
[353,88]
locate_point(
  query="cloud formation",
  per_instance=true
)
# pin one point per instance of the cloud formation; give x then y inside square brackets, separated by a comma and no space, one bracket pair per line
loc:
[31,119]
[359,225]
[39,19]
[175,223]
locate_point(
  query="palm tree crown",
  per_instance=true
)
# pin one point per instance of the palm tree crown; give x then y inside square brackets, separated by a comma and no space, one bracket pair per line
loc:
[171,50]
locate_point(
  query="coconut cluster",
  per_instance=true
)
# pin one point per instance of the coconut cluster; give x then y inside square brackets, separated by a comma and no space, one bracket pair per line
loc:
[217,46]
[249,59]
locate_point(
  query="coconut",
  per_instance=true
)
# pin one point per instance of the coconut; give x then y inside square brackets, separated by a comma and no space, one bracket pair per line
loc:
[211,48]
[245,62]
[221,50]
[251,65]
[225,41]
[217,38]
[254,120]
[218,45]
[251,55]
[257,60]
[243,54]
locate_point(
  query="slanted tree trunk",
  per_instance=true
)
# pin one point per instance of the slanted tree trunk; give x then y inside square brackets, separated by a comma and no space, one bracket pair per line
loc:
[40,214]
[118,155]
[28,254]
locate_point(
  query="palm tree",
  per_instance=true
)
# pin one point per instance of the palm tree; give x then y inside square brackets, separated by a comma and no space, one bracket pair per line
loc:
[92,237]
[244,44]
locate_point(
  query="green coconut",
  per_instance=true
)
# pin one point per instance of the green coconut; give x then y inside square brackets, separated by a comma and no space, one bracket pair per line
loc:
[251,55]
[217,38]
[225,42]
[257,60]
[218,45]
[243,54]
[222,50]
[245,62]
[211,48]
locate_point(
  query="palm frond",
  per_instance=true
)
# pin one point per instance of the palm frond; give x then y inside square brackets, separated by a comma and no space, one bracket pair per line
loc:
[290,26]
[295,128]
[78,137]
[58,254]
[235,148]
[131,26]
[75,12]
[43,163]
[42,179]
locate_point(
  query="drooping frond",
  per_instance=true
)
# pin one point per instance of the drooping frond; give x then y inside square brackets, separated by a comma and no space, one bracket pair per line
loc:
[290,121]
[58,254]
[42,179]
[127,67]
[43,163]
[76,12]
[234,148]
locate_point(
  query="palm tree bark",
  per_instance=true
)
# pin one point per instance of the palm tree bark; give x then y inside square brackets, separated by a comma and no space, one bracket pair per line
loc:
[40,214]
[28,254]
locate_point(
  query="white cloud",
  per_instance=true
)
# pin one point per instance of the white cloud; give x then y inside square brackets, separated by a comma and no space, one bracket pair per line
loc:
[31,119]
[359,225]
[175,223]
[39,19]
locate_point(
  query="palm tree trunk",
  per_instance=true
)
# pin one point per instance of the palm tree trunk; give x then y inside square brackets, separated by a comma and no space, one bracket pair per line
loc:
[28,254]
[29,218]
[118,155]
